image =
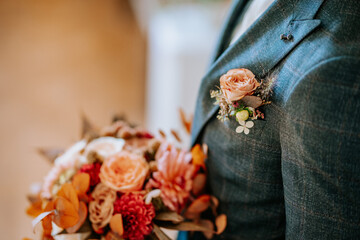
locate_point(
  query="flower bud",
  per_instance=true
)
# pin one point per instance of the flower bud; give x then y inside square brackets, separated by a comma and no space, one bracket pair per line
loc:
[242,115]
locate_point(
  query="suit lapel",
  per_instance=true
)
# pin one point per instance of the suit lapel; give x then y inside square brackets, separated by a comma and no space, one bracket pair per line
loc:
[259,49]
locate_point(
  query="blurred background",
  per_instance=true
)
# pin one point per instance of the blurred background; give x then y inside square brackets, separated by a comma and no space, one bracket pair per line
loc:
[59,59]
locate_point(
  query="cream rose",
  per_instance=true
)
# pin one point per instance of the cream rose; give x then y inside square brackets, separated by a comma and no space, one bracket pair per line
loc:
[238,83]
[102,207]
[124,172]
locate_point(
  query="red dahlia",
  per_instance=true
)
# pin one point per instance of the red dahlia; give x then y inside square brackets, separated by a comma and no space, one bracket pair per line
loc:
[93,170]
[137,216]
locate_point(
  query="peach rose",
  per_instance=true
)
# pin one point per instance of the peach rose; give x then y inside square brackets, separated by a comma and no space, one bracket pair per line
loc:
[102,207]
[124,172]
[237,83]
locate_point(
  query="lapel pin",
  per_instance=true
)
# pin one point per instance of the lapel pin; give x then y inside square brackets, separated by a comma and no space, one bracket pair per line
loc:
[285,37]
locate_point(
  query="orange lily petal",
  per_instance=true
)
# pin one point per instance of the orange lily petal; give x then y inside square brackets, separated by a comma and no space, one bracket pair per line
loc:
[83,211]
[116,224]
[66,214]
[68,192]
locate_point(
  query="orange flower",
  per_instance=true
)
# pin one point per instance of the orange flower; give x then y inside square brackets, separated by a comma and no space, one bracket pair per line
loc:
[237,83]
[124,172]
[174,176]
[66,210]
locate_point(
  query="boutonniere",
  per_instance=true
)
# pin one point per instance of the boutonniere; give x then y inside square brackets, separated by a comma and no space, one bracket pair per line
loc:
[240,95]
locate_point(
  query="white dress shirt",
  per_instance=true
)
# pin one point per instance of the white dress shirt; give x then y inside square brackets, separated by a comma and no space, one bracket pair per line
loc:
[255,9]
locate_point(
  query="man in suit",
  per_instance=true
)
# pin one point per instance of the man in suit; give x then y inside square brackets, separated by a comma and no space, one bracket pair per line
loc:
[297,174]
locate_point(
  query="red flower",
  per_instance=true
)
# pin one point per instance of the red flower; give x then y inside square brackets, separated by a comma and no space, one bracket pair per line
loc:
[93,170]
[137,216]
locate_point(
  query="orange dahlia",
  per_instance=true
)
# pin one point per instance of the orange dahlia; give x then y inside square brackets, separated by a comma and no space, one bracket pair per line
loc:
[174,176]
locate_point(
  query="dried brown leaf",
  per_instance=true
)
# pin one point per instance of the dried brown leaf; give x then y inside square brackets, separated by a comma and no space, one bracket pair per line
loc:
[183,226]
[160,234]
[83,211]
[252,101]
[88,130]
[186,122]
[169,216]
[162,133]
[199,183]
[116,224]
[66,214]
[35,209]
[192,215]
[112,236]
[214,203]
[176,135]
[199,205]
[68,192]
[210,226]
[220,222]
[50,153]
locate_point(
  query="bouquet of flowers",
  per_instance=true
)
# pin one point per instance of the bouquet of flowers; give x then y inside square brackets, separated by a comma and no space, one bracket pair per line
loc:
[121,182]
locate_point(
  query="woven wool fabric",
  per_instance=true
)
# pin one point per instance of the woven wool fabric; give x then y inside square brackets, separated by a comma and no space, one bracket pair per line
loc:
[297,174]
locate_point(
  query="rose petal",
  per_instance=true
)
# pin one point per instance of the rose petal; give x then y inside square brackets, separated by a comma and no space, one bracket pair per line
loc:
[105,146]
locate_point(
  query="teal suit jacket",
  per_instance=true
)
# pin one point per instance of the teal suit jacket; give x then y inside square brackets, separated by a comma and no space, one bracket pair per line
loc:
[297,174]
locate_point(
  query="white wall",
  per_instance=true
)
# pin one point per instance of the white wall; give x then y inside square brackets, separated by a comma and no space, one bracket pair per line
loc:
[181,39]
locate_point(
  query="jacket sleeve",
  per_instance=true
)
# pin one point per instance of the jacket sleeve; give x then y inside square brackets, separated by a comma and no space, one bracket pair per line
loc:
[320,143]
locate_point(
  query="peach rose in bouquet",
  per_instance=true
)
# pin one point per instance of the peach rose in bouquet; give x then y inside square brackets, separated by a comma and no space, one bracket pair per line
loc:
[124,172]
[238,83]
